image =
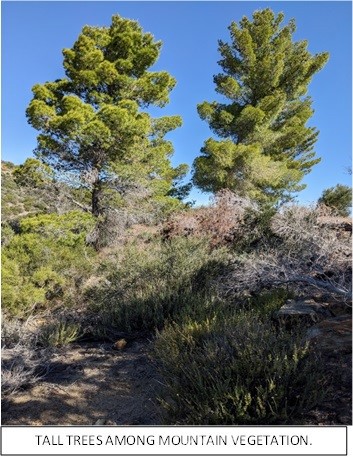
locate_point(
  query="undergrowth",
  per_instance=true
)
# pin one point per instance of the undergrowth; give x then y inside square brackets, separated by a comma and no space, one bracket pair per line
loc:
[236,368]
[148,288]
[222,357]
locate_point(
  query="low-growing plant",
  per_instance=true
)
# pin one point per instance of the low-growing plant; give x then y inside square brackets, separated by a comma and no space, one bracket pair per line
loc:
[236,369]
[305,252]
[33,173]
[59,334]
[7,233]
[22,366]
[226,222]
[267,302]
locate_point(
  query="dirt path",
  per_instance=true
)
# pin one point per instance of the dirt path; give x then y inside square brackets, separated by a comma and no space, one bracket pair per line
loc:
[90,384]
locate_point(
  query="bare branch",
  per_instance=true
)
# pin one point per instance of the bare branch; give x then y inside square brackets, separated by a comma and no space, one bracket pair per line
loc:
[308,251]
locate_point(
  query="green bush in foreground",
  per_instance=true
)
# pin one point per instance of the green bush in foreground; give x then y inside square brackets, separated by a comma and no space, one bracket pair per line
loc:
[236,370]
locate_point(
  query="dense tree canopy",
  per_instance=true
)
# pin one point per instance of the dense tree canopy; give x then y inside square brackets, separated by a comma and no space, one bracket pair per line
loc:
[265,147]
[91,122]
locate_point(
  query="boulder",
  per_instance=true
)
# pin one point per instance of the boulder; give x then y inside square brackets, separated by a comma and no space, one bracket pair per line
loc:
[303,311]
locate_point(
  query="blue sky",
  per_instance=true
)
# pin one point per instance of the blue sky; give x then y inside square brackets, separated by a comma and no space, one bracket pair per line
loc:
[34,33]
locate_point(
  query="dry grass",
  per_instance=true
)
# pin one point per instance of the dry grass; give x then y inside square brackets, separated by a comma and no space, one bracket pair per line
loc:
[301,252]
[22,362]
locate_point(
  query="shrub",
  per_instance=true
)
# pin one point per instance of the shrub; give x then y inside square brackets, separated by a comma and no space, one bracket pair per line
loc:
[59,333]
[68,229]
[153,283]
[303,252]
[45,260]
[18,293]
[266,303]
[237,370]
[33,173]
[7,234]
[21,366]
[22,362]
[226,222]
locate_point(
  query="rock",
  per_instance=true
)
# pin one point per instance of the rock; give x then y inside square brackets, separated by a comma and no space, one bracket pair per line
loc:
[337,306]
[332,335]
[100,422]
[304,312]
[120,344]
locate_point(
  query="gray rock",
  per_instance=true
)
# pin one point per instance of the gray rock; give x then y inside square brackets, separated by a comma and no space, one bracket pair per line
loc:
[100,422]
[303,311]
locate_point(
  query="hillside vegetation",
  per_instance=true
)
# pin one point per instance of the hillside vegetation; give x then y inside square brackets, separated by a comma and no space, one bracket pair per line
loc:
[204,284]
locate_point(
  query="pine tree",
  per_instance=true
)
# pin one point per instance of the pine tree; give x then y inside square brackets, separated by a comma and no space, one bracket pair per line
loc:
[91,122]
[339,198]
[33,173]
[265,147]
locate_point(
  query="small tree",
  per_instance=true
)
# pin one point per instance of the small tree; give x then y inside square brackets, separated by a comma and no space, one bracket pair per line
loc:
[339,198]
[91,123]
[33,173]
[265,147]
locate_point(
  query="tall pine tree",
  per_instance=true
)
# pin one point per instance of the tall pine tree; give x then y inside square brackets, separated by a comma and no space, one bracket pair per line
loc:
[265,147]
[92,122]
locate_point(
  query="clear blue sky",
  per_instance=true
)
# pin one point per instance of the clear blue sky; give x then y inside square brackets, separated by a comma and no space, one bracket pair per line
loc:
[34,33]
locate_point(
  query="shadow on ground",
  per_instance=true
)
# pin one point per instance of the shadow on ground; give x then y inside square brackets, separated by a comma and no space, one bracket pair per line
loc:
[89,384]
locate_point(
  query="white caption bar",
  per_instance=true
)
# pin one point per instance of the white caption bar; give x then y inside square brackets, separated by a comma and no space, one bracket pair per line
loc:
[171,441]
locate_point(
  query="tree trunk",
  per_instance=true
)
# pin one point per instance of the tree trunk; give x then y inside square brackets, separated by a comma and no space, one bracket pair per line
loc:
[94,238]
[97,209]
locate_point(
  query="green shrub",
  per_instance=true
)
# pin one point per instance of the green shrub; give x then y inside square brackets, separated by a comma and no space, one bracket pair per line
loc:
[17,293]
[33,173]
[68,229]
[236,369]
[153,284]
[266,303]
[46,260]
[7,233]
[59,334]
